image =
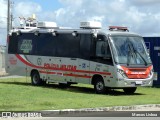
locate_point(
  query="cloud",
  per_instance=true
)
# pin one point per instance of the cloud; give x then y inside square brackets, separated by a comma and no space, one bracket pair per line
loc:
[27,8]
[3,21]
[145,2]
[140,16]
[21,9]
[80,10]
[3,11]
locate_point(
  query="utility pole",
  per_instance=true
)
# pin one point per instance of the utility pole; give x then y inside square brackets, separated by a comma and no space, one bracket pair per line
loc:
[8,16]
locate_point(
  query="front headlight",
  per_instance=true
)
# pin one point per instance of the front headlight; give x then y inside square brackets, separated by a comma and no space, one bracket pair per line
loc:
[151,72]
[122,73]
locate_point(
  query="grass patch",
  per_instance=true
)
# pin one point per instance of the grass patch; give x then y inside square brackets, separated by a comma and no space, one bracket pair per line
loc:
[17,94]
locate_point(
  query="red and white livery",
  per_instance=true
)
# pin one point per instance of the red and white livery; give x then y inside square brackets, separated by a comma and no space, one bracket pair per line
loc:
[105,58]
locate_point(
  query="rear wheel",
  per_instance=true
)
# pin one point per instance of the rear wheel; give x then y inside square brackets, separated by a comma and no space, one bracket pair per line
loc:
[99,86]
[35,79]
[130,90]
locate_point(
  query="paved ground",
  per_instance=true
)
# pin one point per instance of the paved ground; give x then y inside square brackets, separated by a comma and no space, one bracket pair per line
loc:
[138,112]
[13,76]
[3,73]
[109,115]
[90,118]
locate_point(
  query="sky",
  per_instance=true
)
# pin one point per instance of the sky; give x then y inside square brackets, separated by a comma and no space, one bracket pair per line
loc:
[140,16]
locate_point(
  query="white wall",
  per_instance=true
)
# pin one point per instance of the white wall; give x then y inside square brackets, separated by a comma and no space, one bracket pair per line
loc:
[2,57]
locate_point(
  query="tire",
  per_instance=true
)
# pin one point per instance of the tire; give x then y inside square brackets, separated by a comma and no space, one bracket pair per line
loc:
[130,90]
[35,79]
[99,86]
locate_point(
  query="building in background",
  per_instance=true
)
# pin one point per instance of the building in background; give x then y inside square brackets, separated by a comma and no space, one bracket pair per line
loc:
[2,58]
[153,46]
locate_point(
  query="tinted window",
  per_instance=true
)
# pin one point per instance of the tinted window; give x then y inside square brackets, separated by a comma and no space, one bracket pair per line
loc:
[62,45]
[27,44]
[13,43]
[103,52]
[100,49]
[67,45]
[46,44]
[85,45]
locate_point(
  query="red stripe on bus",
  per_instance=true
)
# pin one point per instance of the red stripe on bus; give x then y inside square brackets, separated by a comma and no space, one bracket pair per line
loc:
[72,75]
[47,72]
[81,71]
[75,75]
[93,72]
[27,63]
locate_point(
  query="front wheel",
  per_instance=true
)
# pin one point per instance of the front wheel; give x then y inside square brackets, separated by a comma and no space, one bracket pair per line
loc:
[130,90]
[99,86]
[35,78]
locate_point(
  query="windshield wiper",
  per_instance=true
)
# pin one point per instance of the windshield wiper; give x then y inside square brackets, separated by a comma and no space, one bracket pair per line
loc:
[130,53]
[135,51]
[142,58]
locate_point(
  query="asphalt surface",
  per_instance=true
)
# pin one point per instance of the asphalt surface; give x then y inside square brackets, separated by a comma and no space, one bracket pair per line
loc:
[92,118]
[13,76]
[110,115]
[142,114]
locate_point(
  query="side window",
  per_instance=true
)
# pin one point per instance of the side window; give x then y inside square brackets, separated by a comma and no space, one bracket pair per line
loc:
[13,43]
[85,45]
[102,47]
[68,45]
[25,46]
[46,44]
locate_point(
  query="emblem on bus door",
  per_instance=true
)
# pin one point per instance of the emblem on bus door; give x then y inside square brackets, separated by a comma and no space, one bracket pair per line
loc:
[12,60]
[83,65]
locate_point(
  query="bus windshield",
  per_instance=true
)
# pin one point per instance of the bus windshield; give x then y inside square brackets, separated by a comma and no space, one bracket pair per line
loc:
[130,50]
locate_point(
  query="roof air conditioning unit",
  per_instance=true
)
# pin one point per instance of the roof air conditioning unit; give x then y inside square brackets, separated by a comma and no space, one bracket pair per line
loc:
[91,25]
[47,25]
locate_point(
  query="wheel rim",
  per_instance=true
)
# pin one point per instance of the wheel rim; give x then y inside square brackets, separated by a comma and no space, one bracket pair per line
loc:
[35,78]
[99,86]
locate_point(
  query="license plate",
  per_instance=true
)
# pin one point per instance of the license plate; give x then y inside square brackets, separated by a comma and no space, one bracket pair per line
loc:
[138,82]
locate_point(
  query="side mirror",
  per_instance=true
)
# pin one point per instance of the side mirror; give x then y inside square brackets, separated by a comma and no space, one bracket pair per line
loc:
[94,33]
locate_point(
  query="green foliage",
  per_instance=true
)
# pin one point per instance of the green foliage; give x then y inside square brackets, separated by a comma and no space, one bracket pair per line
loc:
[17,94]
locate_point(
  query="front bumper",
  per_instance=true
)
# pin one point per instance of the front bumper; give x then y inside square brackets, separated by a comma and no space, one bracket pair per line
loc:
[134,82]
